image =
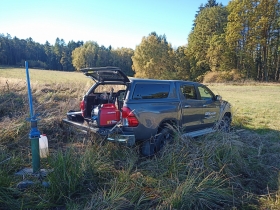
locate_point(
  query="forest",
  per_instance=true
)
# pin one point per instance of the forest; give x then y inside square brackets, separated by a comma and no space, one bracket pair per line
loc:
[234,42]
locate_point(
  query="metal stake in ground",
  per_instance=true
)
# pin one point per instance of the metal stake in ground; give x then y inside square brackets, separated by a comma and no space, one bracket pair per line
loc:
[34,134]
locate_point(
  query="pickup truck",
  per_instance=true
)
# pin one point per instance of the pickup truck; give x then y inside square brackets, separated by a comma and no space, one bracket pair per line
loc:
[134,110]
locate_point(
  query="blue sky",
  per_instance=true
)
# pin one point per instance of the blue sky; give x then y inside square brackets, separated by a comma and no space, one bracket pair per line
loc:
[119,23]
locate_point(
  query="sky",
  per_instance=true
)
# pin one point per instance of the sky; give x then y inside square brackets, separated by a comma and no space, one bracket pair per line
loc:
[119,23]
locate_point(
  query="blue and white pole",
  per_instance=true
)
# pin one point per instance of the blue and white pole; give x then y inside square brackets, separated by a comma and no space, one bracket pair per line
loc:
[34,134]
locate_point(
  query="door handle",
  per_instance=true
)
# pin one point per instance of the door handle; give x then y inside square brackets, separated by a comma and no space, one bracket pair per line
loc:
[188,106]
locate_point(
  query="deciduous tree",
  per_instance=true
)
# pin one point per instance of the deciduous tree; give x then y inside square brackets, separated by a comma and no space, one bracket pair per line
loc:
[154,58]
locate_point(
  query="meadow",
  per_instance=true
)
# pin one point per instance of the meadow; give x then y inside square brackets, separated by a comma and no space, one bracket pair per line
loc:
[255,105]
[236,170]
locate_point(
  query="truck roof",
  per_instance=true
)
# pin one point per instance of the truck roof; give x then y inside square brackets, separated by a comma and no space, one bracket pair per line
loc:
[134,79]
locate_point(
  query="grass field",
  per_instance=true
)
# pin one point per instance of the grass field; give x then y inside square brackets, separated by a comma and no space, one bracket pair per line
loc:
[255,106]
[238,170]
[43,76]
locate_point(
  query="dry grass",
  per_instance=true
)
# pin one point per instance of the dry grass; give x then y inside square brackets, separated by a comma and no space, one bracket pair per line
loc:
[44,76]
[238,170]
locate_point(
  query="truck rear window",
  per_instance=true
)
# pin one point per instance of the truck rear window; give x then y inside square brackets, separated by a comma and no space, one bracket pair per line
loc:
[150,91]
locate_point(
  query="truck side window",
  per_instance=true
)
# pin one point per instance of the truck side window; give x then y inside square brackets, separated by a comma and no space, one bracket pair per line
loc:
[151,91]
[188,91]
[205,94]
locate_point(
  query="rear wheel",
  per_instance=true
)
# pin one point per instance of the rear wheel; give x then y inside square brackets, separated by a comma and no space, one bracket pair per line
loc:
[164,137]
[151,147]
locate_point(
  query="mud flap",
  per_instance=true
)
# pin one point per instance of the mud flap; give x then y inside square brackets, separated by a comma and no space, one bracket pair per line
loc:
[148,148]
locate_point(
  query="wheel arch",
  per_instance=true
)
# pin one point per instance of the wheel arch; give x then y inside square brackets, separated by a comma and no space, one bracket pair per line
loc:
[167,123]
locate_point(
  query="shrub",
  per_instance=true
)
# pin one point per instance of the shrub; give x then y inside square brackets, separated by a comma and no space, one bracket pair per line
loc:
[222,76]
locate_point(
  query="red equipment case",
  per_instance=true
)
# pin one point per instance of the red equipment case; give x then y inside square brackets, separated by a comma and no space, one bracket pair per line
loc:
[108,115]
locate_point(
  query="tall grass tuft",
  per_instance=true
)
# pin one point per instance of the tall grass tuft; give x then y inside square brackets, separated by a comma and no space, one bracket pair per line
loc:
[200,191]
[187,178]
[66,180]
[272,199]
[9,198]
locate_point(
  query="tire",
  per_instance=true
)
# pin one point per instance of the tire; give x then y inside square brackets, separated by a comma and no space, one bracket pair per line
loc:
[224,125]
[164,137]
[151,147]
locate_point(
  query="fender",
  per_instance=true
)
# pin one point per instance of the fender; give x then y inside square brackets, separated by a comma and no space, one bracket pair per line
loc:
[225,108]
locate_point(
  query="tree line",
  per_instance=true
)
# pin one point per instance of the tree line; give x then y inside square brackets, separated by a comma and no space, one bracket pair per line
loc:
[62,56]
[241,38]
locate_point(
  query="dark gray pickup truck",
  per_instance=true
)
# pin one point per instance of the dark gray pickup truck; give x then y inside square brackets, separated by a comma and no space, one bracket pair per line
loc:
[133,110]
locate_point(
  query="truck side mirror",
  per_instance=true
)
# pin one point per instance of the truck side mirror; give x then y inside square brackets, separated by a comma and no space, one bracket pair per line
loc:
[218,98]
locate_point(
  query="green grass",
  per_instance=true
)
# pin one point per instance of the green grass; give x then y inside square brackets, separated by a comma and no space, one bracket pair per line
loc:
[238,170]
[255,106]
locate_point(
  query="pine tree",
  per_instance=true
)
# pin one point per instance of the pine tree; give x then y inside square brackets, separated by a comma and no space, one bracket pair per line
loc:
[252,32]
[209,23]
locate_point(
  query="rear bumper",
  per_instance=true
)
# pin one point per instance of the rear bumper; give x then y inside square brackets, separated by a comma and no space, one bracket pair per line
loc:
[115,134]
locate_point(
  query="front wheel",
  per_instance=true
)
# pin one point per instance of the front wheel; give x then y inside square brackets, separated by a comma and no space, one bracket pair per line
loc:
[224,125]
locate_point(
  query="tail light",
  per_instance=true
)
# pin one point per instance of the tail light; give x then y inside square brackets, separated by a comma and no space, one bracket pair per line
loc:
[82,107]
[128,118]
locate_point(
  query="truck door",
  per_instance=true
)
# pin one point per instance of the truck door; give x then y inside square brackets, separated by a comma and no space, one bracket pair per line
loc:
[192,108]
[211,106]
